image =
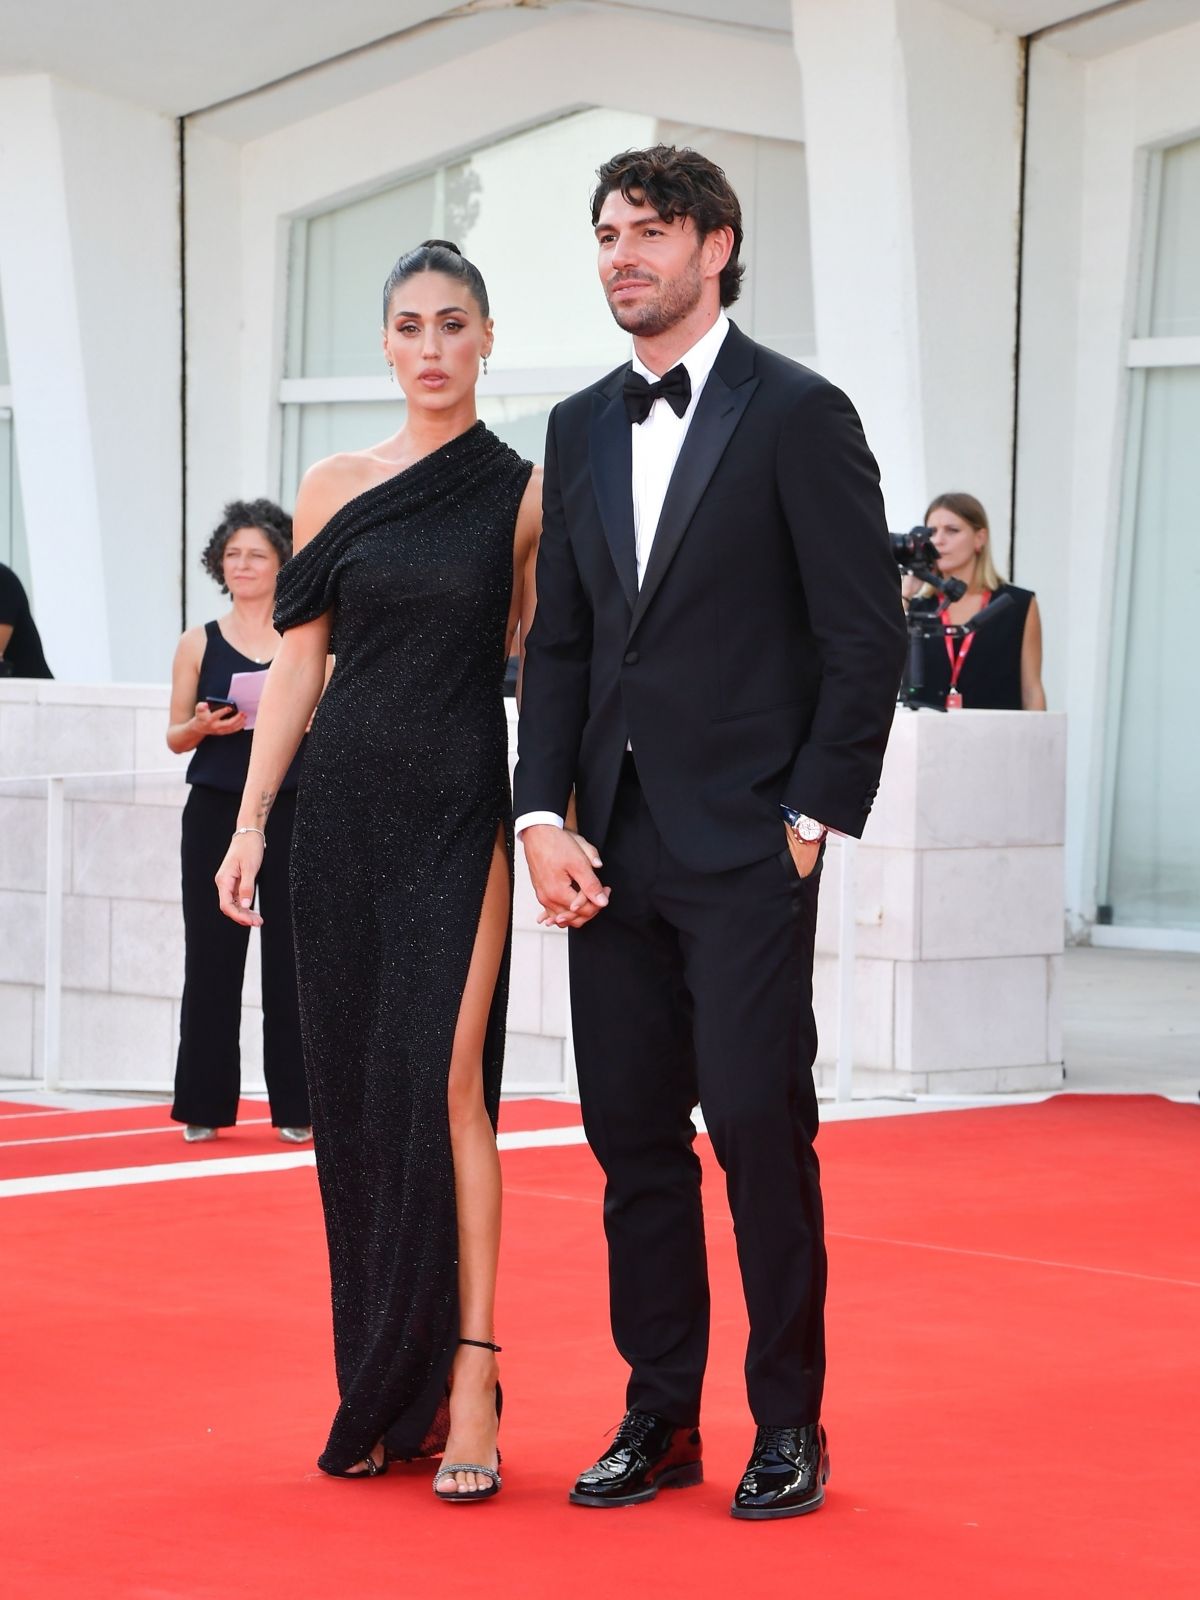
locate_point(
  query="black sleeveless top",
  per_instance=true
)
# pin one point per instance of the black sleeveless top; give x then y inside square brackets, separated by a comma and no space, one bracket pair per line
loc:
[990,679]
[222,760]
[22,657]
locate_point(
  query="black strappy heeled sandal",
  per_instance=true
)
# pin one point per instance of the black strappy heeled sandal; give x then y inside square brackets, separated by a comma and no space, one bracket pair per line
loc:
[470,1496]
[374,1469]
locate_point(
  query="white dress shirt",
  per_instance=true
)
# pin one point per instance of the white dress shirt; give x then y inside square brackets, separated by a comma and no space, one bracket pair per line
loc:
[658,441]
[656,446]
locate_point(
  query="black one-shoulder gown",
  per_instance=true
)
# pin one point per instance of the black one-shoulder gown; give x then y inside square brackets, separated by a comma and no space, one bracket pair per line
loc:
[404,788]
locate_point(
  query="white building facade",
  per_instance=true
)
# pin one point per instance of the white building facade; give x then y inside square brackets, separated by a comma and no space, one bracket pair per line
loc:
[980,218]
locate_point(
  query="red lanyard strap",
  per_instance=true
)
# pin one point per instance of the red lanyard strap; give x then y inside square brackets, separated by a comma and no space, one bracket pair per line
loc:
[959,655]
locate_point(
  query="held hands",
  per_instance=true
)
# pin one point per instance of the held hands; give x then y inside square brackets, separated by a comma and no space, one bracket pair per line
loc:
[226,720]
[561,865]
[236,877]
[803,855]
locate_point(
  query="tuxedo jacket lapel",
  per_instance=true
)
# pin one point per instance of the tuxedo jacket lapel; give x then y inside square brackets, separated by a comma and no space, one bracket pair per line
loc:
[724,398]
[611,458]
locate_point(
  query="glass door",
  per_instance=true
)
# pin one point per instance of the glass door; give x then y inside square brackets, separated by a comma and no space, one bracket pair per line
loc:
[1149,873]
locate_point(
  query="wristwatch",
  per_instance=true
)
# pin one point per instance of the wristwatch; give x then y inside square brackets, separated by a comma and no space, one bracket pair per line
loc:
[805,830]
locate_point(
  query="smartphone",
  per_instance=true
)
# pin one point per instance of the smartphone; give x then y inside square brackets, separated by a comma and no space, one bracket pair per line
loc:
[217,705]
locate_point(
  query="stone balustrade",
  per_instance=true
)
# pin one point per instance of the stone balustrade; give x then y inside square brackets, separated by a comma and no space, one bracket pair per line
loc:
[959,910]
[958,897]
[122,945]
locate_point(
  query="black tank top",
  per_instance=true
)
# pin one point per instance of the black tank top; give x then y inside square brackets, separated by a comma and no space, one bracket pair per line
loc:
[222,761]
[990,678]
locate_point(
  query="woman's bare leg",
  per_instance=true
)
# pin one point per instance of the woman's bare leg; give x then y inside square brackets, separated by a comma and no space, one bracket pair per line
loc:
[477,1191]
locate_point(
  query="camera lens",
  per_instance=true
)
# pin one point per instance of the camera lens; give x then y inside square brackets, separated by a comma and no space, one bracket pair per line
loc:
[914,548]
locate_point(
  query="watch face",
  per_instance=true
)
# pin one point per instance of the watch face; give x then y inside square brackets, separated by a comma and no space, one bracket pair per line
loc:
[808,830]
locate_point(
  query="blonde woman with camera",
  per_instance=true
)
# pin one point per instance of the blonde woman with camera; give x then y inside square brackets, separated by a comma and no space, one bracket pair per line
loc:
[1000,667]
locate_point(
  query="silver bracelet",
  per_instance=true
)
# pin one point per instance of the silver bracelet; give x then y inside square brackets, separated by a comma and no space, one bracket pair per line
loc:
[258,831]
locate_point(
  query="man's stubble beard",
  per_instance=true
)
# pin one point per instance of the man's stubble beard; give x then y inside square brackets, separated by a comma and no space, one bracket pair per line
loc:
[676,299]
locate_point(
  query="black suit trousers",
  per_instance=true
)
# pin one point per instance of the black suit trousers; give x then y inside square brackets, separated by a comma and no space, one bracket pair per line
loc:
[694,988]
[208,1067]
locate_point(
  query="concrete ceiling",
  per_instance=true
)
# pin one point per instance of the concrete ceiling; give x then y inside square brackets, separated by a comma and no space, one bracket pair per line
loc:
[1094,27]
[178,58]
[1025,16]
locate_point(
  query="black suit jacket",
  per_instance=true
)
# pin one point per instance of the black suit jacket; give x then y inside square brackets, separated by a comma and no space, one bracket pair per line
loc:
[759,662]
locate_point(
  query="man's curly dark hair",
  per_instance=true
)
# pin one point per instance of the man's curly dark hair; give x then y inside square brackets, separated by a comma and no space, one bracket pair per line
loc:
[272,522]
[678,183]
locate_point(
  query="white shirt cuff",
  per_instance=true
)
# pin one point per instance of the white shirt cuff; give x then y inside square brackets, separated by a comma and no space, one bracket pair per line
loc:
[532,819]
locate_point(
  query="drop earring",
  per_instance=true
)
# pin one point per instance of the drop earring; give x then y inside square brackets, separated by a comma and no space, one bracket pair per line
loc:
[485,366]
[391,373]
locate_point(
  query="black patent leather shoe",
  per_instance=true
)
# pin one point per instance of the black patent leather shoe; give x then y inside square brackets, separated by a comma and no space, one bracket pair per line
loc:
[786,1474]
[648,1454]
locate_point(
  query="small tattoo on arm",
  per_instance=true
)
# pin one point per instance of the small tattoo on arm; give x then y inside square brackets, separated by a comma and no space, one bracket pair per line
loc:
[265,801]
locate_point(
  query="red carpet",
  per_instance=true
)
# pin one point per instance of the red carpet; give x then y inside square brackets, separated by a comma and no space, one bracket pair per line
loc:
[1014,1320]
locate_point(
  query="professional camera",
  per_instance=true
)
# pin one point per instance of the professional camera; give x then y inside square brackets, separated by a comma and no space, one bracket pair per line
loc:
[916,553]
[915,546]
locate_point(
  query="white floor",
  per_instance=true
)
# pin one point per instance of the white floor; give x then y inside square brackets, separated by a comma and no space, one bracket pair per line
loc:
[1131,1022]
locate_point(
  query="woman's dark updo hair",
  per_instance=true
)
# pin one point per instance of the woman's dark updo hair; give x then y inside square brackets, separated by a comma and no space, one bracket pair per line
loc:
[272,522]
[436,255]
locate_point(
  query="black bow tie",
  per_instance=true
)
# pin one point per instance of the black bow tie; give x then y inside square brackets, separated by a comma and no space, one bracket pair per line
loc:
[675,387]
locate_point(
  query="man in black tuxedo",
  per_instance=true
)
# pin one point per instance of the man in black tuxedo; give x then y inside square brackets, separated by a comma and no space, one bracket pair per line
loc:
[712,672]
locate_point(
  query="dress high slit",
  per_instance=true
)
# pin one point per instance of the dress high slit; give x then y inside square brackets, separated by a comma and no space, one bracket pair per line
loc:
[404,795]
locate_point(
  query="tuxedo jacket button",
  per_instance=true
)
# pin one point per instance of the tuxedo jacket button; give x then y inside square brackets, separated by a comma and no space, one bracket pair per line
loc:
[631,658]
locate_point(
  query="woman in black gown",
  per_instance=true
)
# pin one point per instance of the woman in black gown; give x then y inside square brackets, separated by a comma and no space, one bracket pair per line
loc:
[413,565]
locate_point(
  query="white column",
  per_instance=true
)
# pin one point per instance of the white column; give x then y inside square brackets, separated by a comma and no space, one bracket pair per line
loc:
[220,467]
[90,276]
[912,139]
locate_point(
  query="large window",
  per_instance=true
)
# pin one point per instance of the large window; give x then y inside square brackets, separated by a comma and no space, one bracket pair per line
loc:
[518,208]
[1150,861]
[13,552]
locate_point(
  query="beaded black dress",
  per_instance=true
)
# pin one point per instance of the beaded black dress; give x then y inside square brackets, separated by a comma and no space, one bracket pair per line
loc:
[404,788]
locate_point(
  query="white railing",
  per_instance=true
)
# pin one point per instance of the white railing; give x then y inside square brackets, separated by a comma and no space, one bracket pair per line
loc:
[847,941]
[55,895]
[541,1061]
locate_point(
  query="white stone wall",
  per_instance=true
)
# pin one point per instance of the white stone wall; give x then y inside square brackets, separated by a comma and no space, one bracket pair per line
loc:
[959,907]
[122,924]
[122,936]
[959,910]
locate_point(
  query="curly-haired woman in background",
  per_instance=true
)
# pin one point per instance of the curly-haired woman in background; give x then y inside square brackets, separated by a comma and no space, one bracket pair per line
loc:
[246,551]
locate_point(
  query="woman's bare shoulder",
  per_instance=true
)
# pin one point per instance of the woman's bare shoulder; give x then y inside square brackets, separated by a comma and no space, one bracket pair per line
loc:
[326,487]
[191,643]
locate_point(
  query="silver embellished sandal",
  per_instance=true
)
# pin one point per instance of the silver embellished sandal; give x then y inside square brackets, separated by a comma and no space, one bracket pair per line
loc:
[469,1497]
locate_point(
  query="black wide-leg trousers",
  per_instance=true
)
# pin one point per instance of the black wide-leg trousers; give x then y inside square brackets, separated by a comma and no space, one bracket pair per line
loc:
[208,1067]
[697,988]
